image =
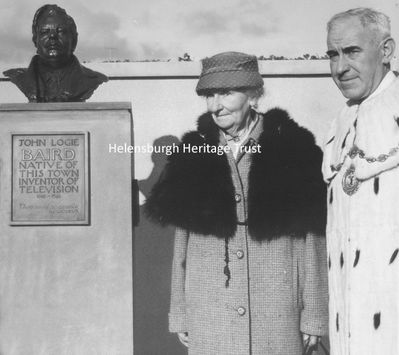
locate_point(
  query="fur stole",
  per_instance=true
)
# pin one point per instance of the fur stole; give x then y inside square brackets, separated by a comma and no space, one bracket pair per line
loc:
[286,191]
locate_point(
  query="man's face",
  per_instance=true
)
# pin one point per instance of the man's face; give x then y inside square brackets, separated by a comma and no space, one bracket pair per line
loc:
[54,40]
[356,60]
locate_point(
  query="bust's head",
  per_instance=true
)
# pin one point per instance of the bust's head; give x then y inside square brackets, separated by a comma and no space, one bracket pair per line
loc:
[54,35]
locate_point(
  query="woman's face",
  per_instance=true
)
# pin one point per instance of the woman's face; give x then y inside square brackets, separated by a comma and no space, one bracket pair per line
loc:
[230,109]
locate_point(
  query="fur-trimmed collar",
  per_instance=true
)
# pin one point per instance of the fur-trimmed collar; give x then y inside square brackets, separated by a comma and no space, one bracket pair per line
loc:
[286,192]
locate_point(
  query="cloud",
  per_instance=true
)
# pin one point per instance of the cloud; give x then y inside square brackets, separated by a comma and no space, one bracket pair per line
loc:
[259,18]
[236,17]
[99,36]
[16,34]
[16,49]
[153,51]
[223,25]
[156,29]
[257,30]
[206,22]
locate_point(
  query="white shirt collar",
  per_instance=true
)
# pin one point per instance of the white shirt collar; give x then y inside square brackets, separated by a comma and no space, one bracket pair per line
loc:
[388,79]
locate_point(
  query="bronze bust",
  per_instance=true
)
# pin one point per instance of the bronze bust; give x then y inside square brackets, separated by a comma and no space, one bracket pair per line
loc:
[55,74]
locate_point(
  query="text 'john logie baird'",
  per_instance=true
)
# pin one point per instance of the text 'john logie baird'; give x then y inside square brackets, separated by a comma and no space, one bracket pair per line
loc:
[47,165]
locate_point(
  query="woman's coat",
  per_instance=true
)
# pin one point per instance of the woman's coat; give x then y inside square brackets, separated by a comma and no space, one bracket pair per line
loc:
[278,283]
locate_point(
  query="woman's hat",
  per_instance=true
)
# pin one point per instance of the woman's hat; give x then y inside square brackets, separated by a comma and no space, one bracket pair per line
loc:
[229,70]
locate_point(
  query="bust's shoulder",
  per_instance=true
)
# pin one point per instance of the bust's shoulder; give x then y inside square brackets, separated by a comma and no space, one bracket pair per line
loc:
[15,73]
[24,78]
[93,75]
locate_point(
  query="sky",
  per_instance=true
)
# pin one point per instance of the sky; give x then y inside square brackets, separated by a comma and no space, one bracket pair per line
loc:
[166,29]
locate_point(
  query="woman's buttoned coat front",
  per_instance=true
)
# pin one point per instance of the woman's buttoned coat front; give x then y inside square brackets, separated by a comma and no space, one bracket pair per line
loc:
[277,288]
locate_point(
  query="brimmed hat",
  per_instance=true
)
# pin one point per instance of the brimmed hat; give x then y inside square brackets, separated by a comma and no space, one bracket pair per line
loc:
[229,70]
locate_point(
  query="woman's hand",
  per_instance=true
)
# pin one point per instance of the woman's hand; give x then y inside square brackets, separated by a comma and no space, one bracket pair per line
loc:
[183,337]
[310,343]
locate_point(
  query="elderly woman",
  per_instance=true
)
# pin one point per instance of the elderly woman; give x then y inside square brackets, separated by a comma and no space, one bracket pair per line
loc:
[246,195]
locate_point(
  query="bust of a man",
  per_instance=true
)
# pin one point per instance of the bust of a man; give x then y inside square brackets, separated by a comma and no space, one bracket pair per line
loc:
[55,74]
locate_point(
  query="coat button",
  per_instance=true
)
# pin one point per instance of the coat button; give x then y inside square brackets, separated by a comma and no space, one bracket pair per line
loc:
[238,197]
[241,311]
[240,254]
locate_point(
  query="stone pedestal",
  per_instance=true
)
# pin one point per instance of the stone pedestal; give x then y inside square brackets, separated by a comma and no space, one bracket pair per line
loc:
[66,229]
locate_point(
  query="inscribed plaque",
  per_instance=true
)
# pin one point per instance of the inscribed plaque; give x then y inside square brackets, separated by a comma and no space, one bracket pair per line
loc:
[50,184]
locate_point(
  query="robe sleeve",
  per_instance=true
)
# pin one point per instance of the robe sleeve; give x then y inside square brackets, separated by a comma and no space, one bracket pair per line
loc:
[177,314]
[313,281]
